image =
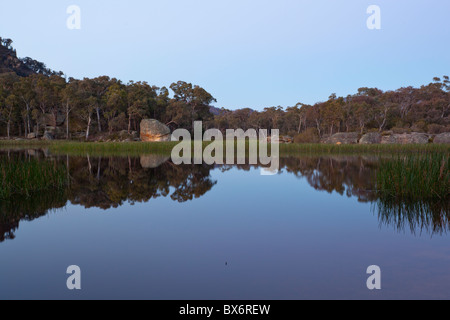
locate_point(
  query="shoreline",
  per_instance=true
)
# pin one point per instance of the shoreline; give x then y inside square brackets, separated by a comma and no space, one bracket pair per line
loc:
[138,148]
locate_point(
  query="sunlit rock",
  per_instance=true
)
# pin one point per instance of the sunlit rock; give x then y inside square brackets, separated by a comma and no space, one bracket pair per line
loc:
[154,131]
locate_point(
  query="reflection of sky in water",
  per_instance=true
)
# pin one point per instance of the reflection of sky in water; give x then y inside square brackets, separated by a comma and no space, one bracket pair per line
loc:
[249,237]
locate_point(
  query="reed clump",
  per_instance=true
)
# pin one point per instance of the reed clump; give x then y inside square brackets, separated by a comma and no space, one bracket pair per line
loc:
[415,177]
[27,177]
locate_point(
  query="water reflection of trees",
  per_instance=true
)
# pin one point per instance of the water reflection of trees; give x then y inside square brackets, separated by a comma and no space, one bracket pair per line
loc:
[417,217]
[18,209]
[352,176]
[110,182]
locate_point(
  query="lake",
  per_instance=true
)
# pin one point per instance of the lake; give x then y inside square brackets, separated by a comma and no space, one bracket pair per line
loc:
[144,228]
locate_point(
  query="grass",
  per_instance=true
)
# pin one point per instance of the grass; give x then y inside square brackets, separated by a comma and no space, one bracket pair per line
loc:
[139,148]
[22,178]
[415,177]
[294,148]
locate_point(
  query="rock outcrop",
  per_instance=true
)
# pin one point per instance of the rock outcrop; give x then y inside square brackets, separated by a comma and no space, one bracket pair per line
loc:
[442,138]
[413,138]
[371,138]
[154,131]
[343,138]
[48,136]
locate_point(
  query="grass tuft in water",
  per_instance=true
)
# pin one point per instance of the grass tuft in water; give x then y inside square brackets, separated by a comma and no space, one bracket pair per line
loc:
[415,177]
[26,177]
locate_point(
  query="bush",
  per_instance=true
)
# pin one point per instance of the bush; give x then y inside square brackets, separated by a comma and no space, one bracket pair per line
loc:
[436,128]
[311,135]
[398,130]
[419,126]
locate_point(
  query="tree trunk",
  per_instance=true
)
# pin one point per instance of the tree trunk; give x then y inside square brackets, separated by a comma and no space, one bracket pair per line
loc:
[318,128]
[25,127]
[67,127]
[28,119]
[382,125]
[99,168]
[98,120]
[88,127]
[8,127]
[67,121]
[89,165]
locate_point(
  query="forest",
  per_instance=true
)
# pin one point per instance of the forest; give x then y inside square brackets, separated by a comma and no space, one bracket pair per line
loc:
[33,98]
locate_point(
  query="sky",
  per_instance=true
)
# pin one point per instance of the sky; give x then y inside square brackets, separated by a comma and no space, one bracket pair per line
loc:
[246,53]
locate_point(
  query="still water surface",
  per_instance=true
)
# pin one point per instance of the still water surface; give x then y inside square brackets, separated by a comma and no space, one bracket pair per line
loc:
[143,228]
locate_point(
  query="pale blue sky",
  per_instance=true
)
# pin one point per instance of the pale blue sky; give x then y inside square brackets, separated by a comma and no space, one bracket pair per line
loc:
[245,53]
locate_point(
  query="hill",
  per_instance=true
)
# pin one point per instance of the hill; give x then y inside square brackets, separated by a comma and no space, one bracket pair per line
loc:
[10,63]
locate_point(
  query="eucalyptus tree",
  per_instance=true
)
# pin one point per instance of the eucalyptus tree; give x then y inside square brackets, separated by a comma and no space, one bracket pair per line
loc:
[8,101]
[190,100]
[141,101]
[115,101]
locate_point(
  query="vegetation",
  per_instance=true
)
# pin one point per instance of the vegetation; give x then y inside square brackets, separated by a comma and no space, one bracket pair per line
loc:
[415,177]
[432,216]
[26,177]
[39,99]
[139,148]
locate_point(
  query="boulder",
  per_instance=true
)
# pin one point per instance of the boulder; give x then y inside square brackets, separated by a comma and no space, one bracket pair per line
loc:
[343,138]
[31,135]
[56,132]
[442,138]
[124,135]
[413,138]
[154,131]
[134,134]
[281,139]
[153,161]
[286,139]
[371,138]
[48,136]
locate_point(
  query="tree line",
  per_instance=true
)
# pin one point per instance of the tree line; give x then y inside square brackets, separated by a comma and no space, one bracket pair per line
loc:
[424,109]
[44,98]
[103,104]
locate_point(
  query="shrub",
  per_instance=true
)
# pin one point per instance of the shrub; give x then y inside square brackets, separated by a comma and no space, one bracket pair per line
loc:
[398,130]
[311,135]
[419,126]
[436,128]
